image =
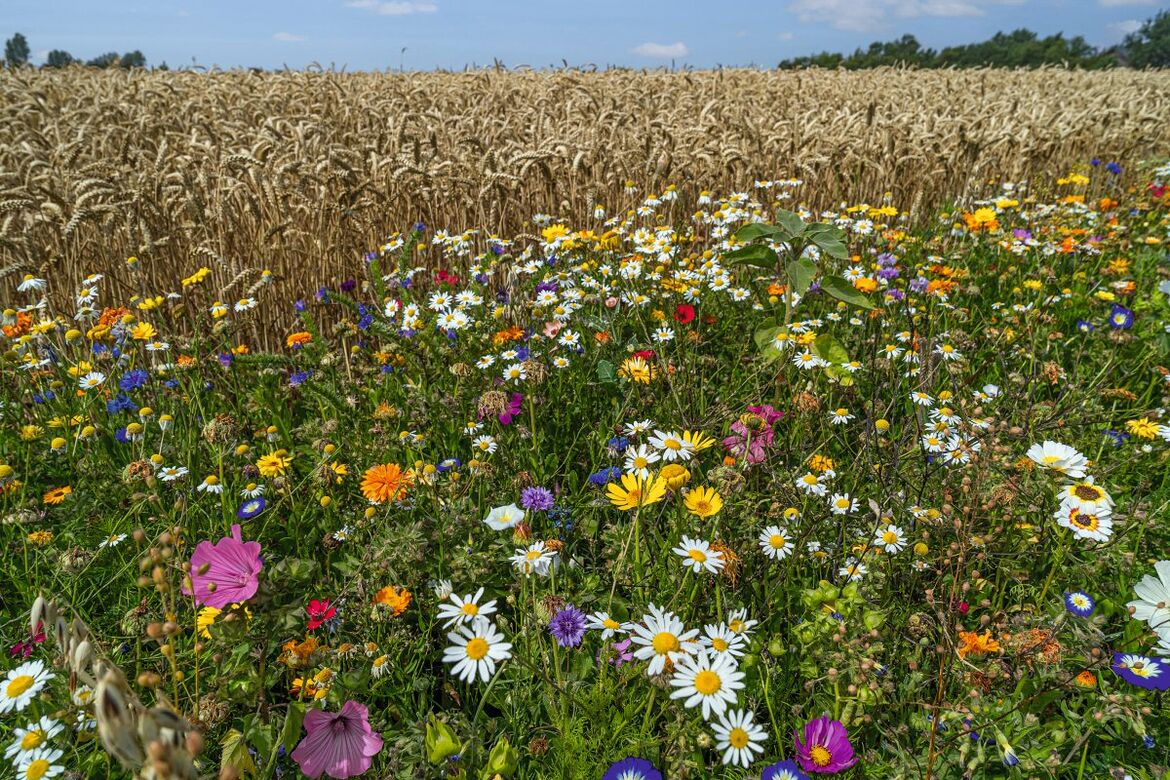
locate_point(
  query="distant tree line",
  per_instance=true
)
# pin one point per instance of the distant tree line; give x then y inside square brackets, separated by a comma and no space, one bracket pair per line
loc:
[1149,47]
[16,54]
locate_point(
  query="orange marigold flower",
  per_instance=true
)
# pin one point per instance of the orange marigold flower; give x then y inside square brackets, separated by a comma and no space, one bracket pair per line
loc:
[1086,679]
[397,599]
[299,339]
[865,284]
[384,483]
[974,643]
[57,495]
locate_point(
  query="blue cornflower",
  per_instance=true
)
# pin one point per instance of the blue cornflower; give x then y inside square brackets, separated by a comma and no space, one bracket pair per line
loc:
[121,403]
[1079,603]
[298,378]
[568,626]
[133,379]
[251,508]
[605,476]
[1113,168]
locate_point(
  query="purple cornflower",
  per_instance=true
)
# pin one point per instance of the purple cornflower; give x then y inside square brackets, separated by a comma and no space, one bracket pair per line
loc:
[568,626]
[919,284]
[349,285]
[536,499]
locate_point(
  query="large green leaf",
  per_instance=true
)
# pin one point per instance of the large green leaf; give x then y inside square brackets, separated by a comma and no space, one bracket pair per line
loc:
[801,274]
[844,291]
[751,232]
[606,373]
[828,348]
[754,254]
[765,336]
[290,734]
[830,239]
[790,221]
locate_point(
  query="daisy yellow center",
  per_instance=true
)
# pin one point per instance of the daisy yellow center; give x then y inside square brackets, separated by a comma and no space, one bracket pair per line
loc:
[698,556]
[738,738]
[736,626]
[842,503]
[719,644]
[476,649]
[810,479]
[707,682]
[37,769]
[1050,459]
[19,685]
[664,642]
[889,537]
[777,541]
[672,444]
[470,609]
[611,624]
[820,755]
[32,739]
[842,412]
[640,462]
[533,555]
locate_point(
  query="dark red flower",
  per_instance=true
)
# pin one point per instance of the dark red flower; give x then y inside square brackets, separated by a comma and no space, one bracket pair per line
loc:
[319,612]
[645,354]
[684,313]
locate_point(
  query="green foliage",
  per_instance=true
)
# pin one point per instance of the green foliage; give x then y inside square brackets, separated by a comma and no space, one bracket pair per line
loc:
[1149,47]
[16,51]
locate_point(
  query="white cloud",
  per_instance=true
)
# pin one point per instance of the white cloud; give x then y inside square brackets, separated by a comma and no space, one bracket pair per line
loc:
[288,37]
[1126,27]
[1119,3]
[785,36]
[395,7]
[662,51]
[861,17]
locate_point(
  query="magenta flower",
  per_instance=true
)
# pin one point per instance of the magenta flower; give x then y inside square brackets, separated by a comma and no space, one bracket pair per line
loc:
[338,744]
[826,746]
[752,434]
[225,572]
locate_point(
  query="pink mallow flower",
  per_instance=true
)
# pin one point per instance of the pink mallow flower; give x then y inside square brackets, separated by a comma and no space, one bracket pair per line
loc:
[225,572]
[826,747]
[339,745]
[752,433]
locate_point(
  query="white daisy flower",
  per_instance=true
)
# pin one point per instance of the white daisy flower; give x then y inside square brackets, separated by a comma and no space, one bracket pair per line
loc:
[21,685]
[775,542]
[475,650]
[698,556]
[661,637]
[738,737]
[465,609]
[707,681]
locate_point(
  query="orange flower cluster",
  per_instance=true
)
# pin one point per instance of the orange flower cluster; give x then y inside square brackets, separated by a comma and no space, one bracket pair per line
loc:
[974,643]
[502,337]
[20,327]
[385,483]
[397,599]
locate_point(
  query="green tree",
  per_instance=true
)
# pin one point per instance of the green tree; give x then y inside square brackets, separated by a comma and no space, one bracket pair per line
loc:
[1149,47]
[16,51]
[132,59]
[59,59]
[107,60]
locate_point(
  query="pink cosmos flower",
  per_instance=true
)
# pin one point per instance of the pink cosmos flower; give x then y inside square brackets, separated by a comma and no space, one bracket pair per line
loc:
[826,747]
[753,444]
[225,572]
[338,744]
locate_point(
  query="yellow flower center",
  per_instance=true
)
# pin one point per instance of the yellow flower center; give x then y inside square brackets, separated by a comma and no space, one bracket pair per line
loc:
[19,685]
[719,644]
[32,739]
[612,624]
[820,755]
[672,444]
[533,555]
[476,649]
[738,738]
[640,462]
[664,642]
[470,609]
[889,537]
[777,541]
[698,555]
[1083,521]
[707,682]
[736,626]
[37,769]
[810,479]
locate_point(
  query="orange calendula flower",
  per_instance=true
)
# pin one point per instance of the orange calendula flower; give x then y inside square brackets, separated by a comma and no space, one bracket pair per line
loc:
[298,339]
[974,643]
[57,495]
[384,483]
[1086,679]
[397,599]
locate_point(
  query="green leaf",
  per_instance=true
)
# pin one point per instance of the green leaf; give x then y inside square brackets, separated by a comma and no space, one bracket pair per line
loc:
[606,373]
[844,291]
[791,222]
[290,735]
[751,232]
[801,274]
[830,239]
[829,349]
[765,340]
[235,754]
[754,254]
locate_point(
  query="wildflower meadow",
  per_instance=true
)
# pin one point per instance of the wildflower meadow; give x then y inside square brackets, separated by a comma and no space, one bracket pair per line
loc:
[709,485]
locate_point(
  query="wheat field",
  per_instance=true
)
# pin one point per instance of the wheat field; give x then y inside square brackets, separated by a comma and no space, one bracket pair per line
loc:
[303,172]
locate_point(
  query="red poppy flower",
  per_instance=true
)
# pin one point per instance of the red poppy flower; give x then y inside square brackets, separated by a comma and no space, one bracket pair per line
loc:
[645,354]
[684,313]
[319,612]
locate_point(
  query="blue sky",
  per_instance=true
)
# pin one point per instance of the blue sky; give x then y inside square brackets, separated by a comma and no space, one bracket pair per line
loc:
[370,34]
